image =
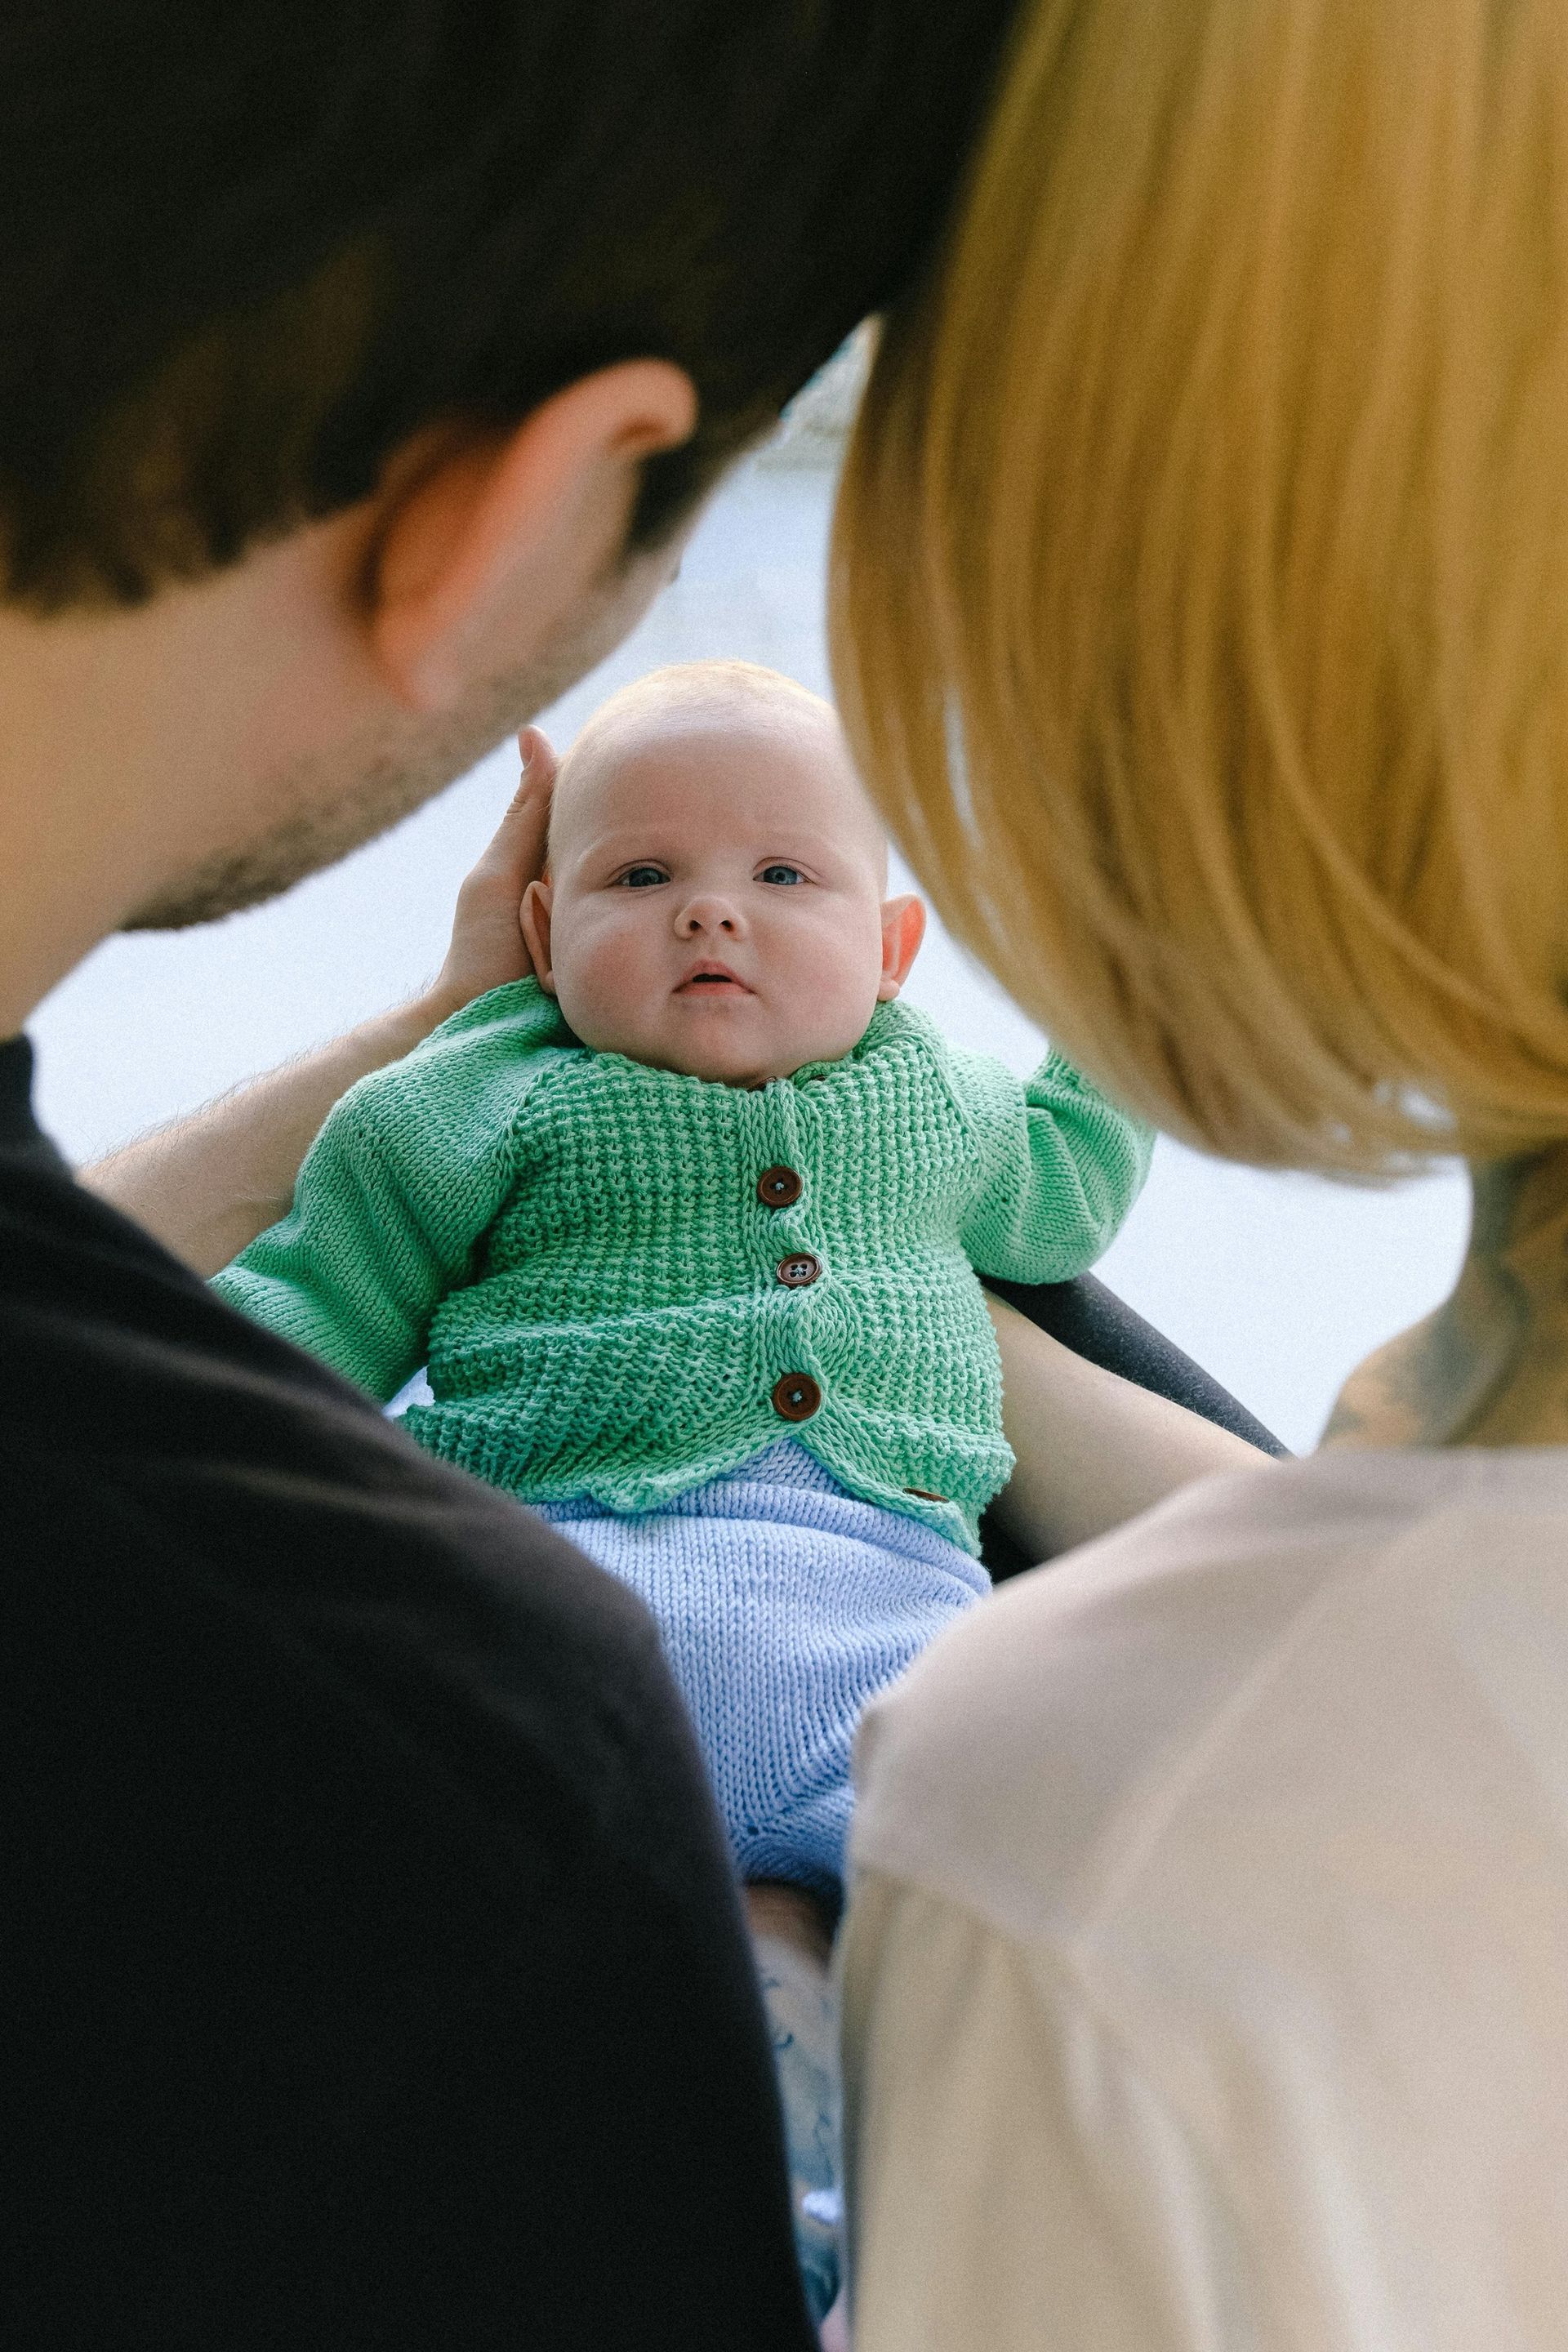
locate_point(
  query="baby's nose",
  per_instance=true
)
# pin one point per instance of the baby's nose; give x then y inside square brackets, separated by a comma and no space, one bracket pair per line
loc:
[710,913]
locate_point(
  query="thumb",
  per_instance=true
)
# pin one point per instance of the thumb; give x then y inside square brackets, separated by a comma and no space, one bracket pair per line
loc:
[514,854]
[538,765]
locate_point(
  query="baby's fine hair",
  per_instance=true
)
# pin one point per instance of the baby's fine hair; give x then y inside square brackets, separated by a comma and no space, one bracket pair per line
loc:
[701,685]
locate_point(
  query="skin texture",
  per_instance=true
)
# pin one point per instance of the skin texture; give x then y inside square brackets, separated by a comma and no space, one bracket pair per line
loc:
[206,1185]
[1093,1449]
[715,900]
[1491,1367]
[167,763]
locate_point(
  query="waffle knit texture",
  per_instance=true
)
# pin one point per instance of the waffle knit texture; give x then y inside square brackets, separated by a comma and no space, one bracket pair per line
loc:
[574,1245]
[784,1606]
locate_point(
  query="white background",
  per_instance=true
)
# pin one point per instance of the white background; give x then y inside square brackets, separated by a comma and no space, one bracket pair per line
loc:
[1277,1284]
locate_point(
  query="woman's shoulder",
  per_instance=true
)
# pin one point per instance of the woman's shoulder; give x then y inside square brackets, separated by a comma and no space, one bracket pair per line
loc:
[1241,1646]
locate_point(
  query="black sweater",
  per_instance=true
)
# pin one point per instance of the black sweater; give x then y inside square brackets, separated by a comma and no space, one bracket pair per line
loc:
[371,1969]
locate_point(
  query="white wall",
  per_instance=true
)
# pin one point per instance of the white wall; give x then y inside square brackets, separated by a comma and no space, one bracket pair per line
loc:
[1277,1284]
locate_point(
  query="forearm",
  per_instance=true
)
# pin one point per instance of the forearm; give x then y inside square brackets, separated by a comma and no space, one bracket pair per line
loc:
[206,1185]
[1092,1449]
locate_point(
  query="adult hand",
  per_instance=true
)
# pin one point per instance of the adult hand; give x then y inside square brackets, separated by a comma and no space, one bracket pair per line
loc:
[488,948]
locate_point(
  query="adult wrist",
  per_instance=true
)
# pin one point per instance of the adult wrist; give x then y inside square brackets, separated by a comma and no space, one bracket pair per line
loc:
[447,995]
[434,1004]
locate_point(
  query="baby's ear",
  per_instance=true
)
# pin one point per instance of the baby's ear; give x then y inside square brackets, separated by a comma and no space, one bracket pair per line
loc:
[534,916]
[903,928]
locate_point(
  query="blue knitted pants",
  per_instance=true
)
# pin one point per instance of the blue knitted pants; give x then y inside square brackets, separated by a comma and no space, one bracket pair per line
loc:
[786,1605]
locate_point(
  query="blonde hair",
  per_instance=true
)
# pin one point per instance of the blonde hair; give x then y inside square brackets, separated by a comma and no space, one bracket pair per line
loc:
[1201,572]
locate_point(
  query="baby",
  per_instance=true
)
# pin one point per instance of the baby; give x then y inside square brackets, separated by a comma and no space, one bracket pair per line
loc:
[689,1229]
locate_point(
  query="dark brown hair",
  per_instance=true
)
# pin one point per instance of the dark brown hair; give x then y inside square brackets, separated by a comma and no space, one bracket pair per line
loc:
[251,250]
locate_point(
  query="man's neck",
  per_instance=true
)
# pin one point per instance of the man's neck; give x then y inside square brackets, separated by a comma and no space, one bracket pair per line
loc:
[1491,1367]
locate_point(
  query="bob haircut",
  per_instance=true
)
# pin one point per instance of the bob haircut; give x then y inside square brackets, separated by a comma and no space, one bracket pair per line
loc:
[1201,573]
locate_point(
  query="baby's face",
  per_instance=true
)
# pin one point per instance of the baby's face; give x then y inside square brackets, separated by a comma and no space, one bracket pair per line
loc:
[715,900]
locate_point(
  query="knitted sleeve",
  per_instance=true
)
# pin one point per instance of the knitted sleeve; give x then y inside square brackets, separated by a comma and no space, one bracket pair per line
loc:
[1059,1168]
[412,1167]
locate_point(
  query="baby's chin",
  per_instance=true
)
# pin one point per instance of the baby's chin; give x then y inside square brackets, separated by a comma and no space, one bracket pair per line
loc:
[720,1041]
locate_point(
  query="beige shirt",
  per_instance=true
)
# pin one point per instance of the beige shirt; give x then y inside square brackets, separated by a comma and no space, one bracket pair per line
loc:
[1207,1976]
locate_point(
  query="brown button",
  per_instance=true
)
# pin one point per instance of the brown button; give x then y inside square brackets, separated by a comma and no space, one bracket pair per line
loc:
[778,1187]
[796,1396]
[795,1272]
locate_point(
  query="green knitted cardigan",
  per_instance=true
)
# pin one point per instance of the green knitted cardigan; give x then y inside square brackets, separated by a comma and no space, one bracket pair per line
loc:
[576,1245]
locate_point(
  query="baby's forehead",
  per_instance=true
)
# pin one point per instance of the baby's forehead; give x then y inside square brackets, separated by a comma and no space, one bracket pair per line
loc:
[632,728]
[743,761]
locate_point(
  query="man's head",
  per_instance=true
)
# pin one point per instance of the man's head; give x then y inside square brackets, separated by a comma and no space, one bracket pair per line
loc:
[254,254]
[716,899]
[435,321]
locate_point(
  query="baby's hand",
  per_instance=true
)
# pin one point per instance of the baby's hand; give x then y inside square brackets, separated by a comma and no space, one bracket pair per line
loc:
[488,947]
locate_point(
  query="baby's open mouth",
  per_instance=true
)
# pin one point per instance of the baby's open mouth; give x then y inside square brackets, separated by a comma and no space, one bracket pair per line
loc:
[711,979]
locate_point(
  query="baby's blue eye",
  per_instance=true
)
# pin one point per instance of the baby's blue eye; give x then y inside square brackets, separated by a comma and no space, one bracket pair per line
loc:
[643,877]
[782,874]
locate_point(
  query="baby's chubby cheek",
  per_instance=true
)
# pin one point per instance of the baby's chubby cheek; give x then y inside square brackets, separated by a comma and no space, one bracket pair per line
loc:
[603,994]
[822,995]
[816,983]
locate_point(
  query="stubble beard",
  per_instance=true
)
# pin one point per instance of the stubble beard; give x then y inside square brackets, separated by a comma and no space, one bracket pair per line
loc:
[378,781]
[330,805]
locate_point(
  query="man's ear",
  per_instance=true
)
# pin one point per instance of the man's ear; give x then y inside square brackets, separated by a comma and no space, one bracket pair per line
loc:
[534,916]
[493,542]
[903,928]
